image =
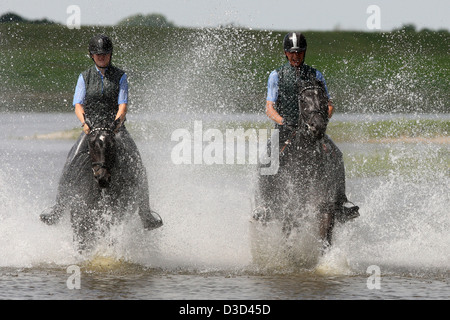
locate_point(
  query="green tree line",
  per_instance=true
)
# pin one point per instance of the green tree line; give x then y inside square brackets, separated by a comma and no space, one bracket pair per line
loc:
[224,69]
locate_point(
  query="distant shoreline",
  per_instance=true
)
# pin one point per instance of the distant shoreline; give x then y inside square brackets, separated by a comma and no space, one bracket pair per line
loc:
[441,139]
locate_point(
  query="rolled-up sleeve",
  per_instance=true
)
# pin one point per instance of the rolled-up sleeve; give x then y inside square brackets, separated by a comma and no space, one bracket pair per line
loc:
[123,89]
[321,78]
[272,87]
[80,91]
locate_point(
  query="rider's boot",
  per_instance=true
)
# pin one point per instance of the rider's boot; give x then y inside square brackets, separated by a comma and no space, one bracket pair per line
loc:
[150,219]
[347,212]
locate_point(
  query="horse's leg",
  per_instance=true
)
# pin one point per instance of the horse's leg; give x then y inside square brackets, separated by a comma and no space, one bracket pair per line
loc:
[326,224]
[267,198]
[85,218]
[79,228]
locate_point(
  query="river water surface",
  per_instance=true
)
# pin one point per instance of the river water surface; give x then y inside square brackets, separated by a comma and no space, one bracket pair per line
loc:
[397,249]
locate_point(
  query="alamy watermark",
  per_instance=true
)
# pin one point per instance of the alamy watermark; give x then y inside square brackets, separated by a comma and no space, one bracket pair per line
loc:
[374,20]
[374,280]
[74,280]
[74,19]
[235,146]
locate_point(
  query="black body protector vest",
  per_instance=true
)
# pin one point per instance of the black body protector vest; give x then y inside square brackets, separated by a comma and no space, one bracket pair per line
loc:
[290,81]
[101,100]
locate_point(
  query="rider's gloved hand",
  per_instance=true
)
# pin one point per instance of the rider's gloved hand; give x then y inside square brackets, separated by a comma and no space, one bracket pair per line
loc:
[86,125]
[116,125]
[86,128]
[291,126]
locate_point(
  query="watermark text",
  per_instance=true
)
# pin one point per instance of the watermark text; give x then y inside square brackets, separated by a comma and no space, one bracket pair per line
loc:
[374,280]
[74,19]
[235,146]
[374,20]
[74,280]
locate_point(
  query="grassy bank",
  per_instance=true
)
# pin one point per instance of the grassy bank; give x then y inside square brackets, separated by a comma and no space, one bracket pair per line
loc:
[340,131]
[225,70]
[388,129]
[398,157]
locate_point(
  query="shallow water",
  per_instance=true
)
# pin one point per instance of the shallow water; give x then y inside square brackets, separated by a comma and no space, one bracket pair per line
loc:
[50,283]
[397,249]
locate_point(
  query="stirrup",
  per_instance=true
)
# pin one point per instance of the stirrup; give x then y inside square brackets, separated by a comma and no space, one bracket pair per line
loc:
[348,213]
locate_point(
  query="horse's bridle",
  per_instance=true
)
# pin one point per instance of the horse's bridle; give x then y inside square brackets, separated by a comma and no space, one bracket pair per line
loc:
[100,165]
[304,120]
[322,113]
[102,129]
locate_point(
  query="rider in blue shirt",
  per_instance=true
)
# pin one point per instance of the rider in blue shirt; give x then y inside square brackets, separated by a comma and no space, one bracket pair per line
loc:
[80,89]
[294,71]
[101,96]
[272,85]
[282,106]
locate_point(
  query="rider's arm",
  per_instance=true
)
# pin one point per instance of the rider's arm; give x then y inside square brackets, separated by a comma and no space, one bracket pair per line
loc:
[122,100]
[272,113]
[321,78]
[272,96]
[330,109]
[79,112]
[122,112]
[78,100]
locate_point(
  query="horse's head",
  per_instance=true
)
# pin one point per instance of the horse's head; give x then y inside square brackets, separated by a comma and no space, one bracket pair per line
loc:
[314,111]
[102,152]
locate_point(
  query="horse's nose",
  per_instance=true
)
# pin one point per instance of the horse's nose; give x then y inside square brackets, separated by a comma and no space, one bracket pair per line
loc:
[103,178]
[104,182]
[312,127]
[316,130]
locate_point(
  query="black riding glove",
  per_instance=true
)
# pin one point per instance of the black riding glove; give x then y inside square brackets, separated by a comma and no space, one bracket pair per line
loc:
[289,125]
[115,125]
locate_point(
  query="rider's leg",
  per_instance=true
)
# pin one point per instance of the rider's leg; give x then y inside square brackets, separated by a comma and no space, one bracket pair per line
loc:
[150,219]
[54,213]
[344,210]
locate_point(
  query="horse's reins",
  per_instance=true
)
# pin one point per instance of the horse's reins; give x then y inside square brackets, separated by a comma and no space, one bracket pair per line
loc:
[288,141]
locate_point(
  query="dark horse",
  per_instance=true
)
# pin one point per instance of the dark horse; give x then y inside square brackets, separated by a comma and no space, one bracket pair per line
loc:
[311,174]
[104,179]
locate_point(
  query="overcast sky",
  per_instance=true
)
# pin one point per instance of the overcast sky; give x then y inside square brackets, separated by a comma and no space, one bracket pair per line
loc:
[258,14]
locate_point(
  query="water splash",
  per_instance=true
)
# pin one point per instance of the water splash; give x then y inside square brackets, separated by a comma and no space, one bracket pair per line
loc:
[403,223]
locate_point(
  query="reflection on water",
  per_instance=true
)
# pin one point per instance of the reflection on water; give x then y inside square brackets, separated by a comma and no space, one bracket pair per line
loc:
[204,250]
[50,283]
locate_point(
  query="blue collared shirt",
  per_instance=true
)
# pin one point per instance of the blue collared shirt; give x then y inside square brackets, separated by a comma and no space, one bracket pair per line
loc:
[272,85]
[80,90]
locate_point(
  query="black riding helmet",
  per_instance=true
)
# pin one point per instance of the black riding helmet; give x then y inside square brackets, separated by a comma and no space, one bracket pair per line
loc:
[294,42]
[100,44]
